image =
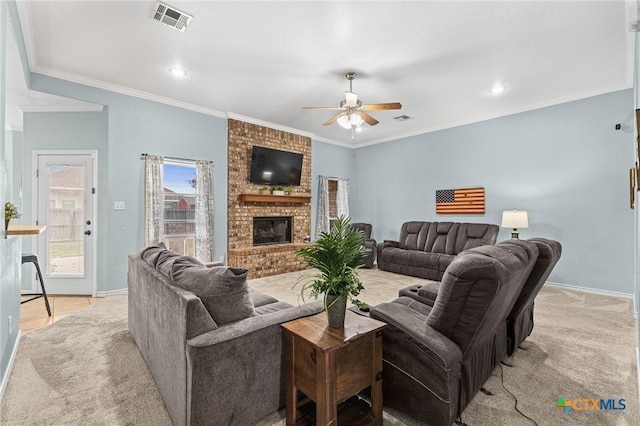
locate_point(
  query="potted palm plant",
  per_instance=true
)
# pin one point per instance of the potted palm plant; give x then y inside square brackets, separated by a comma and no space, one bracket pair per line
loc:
[336,256]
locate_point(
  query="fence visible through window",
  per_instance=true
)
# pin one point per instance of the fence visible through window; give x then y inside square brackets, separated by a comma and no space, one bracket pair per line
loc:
[180,206]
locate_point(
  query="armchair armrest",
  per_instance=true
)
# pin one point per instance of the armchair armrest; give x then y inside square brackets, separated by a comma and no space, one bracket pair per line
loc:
[253,324]
[237,360]
[370,243]
[407,333]
[391,243]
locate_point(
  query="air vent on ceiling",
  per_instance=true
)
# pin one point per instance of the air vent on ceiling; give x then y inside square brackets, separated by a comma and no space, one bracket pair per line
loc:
[170,16]
[402,117]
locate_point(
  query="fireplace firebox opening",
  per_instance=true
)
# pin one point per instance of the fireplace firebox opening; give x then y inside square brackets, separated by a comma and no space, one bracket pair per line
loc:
[272,230]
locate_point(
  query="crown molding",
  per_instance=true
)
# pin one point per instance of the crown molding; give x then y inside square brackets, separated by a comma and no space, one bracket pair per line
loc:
[61,108]
[13,128]
[481,118]
[333,142]
[99,84]
[258,122]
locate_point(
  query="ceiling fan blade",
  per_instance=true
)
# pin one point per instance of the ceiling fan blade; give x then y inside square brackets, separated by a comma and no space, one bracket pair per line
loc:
[323,108]
[333,119]
[368,119]
[377,107]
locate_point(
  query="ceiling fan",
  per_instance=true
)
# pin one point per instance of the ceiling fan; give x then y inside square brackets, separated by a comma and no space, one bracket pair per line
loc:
[352,112]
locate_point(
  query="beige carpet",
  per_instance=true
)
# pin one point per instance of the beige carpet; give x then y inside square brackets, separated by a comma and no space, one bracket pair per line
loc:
[86,370]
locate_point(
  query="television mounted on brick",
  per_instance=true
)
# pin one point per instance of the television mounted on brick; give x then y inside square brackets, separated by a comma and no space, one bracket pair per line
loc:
[275,167]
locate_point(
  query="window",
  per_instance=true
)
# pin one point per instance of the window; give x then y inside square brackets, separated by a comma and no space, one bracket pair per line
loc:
[68,204]
[179,181]
[333,201]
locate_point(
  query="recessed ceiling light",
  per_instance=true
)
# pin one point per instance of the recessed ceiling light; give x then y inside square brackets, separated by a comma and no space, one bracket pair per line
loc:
[177,72]
[497,89]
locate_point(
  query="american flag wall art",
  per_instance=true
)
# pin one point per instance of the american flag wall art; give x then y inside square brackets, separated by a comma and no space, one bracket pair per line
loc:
[460,201]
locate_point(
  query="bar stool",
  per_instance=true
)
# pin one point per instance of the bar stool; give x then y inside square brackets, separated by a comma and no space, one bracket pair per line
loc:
[33,258]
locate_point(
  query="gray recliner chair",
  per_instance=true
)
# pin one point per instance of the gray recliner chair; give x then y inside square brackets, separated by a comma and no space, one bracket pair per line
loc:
[437,358]
[519,323]
[368,242]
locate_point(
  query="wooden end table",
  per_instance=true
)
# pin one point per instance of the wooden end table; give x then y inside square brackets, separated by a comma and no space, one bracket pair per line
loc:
[330,365]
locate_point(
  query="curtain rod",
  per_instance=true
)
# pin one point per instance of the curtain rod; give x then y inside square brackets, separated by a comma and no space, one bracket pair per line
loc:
[144,155]
[332,177]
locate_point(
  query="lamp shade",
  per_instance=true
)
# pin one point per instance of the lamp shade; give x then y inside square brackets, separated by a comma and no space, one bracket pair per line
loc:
[344,121]
[356,119]
[515,219]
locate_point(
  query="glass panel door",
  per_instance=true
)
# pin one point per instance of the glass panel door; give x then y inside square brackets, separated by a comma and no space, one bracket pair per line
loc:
[65,207]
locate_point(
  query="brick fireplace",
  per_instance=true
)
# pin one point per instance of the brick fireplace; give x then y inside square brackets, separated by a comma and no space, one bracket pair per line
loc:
[247,203]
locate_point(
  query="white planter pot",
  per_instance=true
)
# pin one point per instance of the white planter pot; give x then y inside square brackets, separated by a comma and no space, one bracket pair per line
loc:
[278,192]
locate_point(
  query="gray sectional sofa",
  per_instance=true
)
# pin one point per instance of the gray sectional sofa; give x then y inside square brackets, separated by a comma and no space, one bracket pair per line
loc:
[217,359]
[425,249]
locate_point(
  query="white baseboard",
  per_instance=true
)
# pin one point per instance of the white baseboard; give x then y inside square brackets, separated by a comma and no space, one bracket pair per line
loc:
[5,379]
[111,292]
[591,290]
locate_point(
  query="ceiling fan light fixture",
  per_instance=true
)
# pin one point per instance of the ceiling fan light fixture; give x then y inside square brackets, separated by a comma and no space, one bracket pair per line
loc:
[351,98]
[356,119]
[344,121]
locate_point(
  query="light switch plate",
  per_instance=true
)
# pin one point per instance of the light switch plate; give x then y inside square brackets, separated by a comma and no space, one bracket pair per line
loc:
[118,205]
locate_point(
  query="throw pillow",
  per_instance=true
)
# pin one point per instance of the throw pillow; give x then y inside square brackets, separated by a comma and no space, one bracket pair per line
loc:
[165,261]
[223,290]
[185,261]
[151,253]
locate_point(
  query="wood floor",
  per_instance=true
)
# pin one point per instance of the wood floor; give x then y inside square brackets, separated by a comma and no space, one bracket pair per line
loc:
[33,315]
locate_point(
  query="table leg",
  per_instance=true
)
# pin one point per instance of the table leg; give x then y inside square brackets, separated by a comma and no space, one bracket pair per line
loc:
[291,391]
[326,406]
[376,387]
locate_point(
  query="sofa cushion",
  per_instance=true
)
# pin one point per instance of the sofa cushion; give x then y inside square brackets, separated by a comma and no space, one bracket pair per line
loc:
[173,264]
[165,261]
[223,290]
[150,254]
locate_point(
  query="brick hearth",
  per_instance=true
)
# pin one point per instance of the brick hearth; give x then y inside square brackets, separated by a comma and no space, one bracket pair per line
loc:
[268,259]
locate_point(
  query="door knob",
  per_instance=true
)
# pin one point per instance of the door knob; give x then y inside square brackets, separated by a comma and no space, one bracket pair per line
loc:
[87,232]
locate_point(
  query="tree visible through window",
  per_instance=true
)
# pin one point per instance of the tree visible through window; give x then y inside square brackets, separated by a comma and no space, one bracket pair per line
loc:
[179,182]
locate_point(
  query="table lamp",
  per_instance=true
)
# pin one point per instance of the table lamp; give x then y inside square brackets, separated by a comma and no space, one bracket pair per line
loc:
[515,219]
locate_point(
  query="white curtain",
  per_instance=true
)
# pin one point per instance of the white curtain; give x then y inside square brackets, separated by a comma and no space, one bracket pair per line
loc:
[342,198]
[204,211]
[322,220]
[154,199]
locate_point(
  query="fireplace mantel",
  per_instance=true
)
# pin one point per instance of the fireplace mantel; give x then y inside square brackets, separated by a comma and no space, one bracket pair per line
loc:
[267,198]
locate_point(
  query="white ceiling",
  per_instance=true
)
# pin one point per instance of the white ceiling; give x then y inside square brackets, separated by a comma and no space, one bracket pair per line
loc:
[265,60]
[19,99]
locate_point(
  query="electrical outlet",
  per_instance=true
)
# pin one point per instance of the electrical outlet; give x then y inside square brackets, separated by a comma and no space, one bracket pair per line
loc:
[10,325]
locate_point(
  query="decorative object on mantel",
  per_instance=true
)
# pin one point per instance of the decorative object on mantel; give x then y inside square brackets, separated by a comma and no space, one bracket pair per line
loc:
[10,212]
[515,219]
[337,255]
[460,201]
[277,190]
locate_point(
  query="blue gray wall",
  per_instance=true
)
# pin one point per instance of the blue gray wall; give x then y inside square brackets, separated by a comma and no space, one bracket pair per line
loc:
[136,126]
[329,160]
[566,165]
[64,131]
[10,248]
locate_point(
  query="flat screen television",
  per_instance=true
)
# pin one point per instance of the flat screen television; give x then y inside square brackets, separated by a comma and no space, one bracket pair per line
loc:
[275,167]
